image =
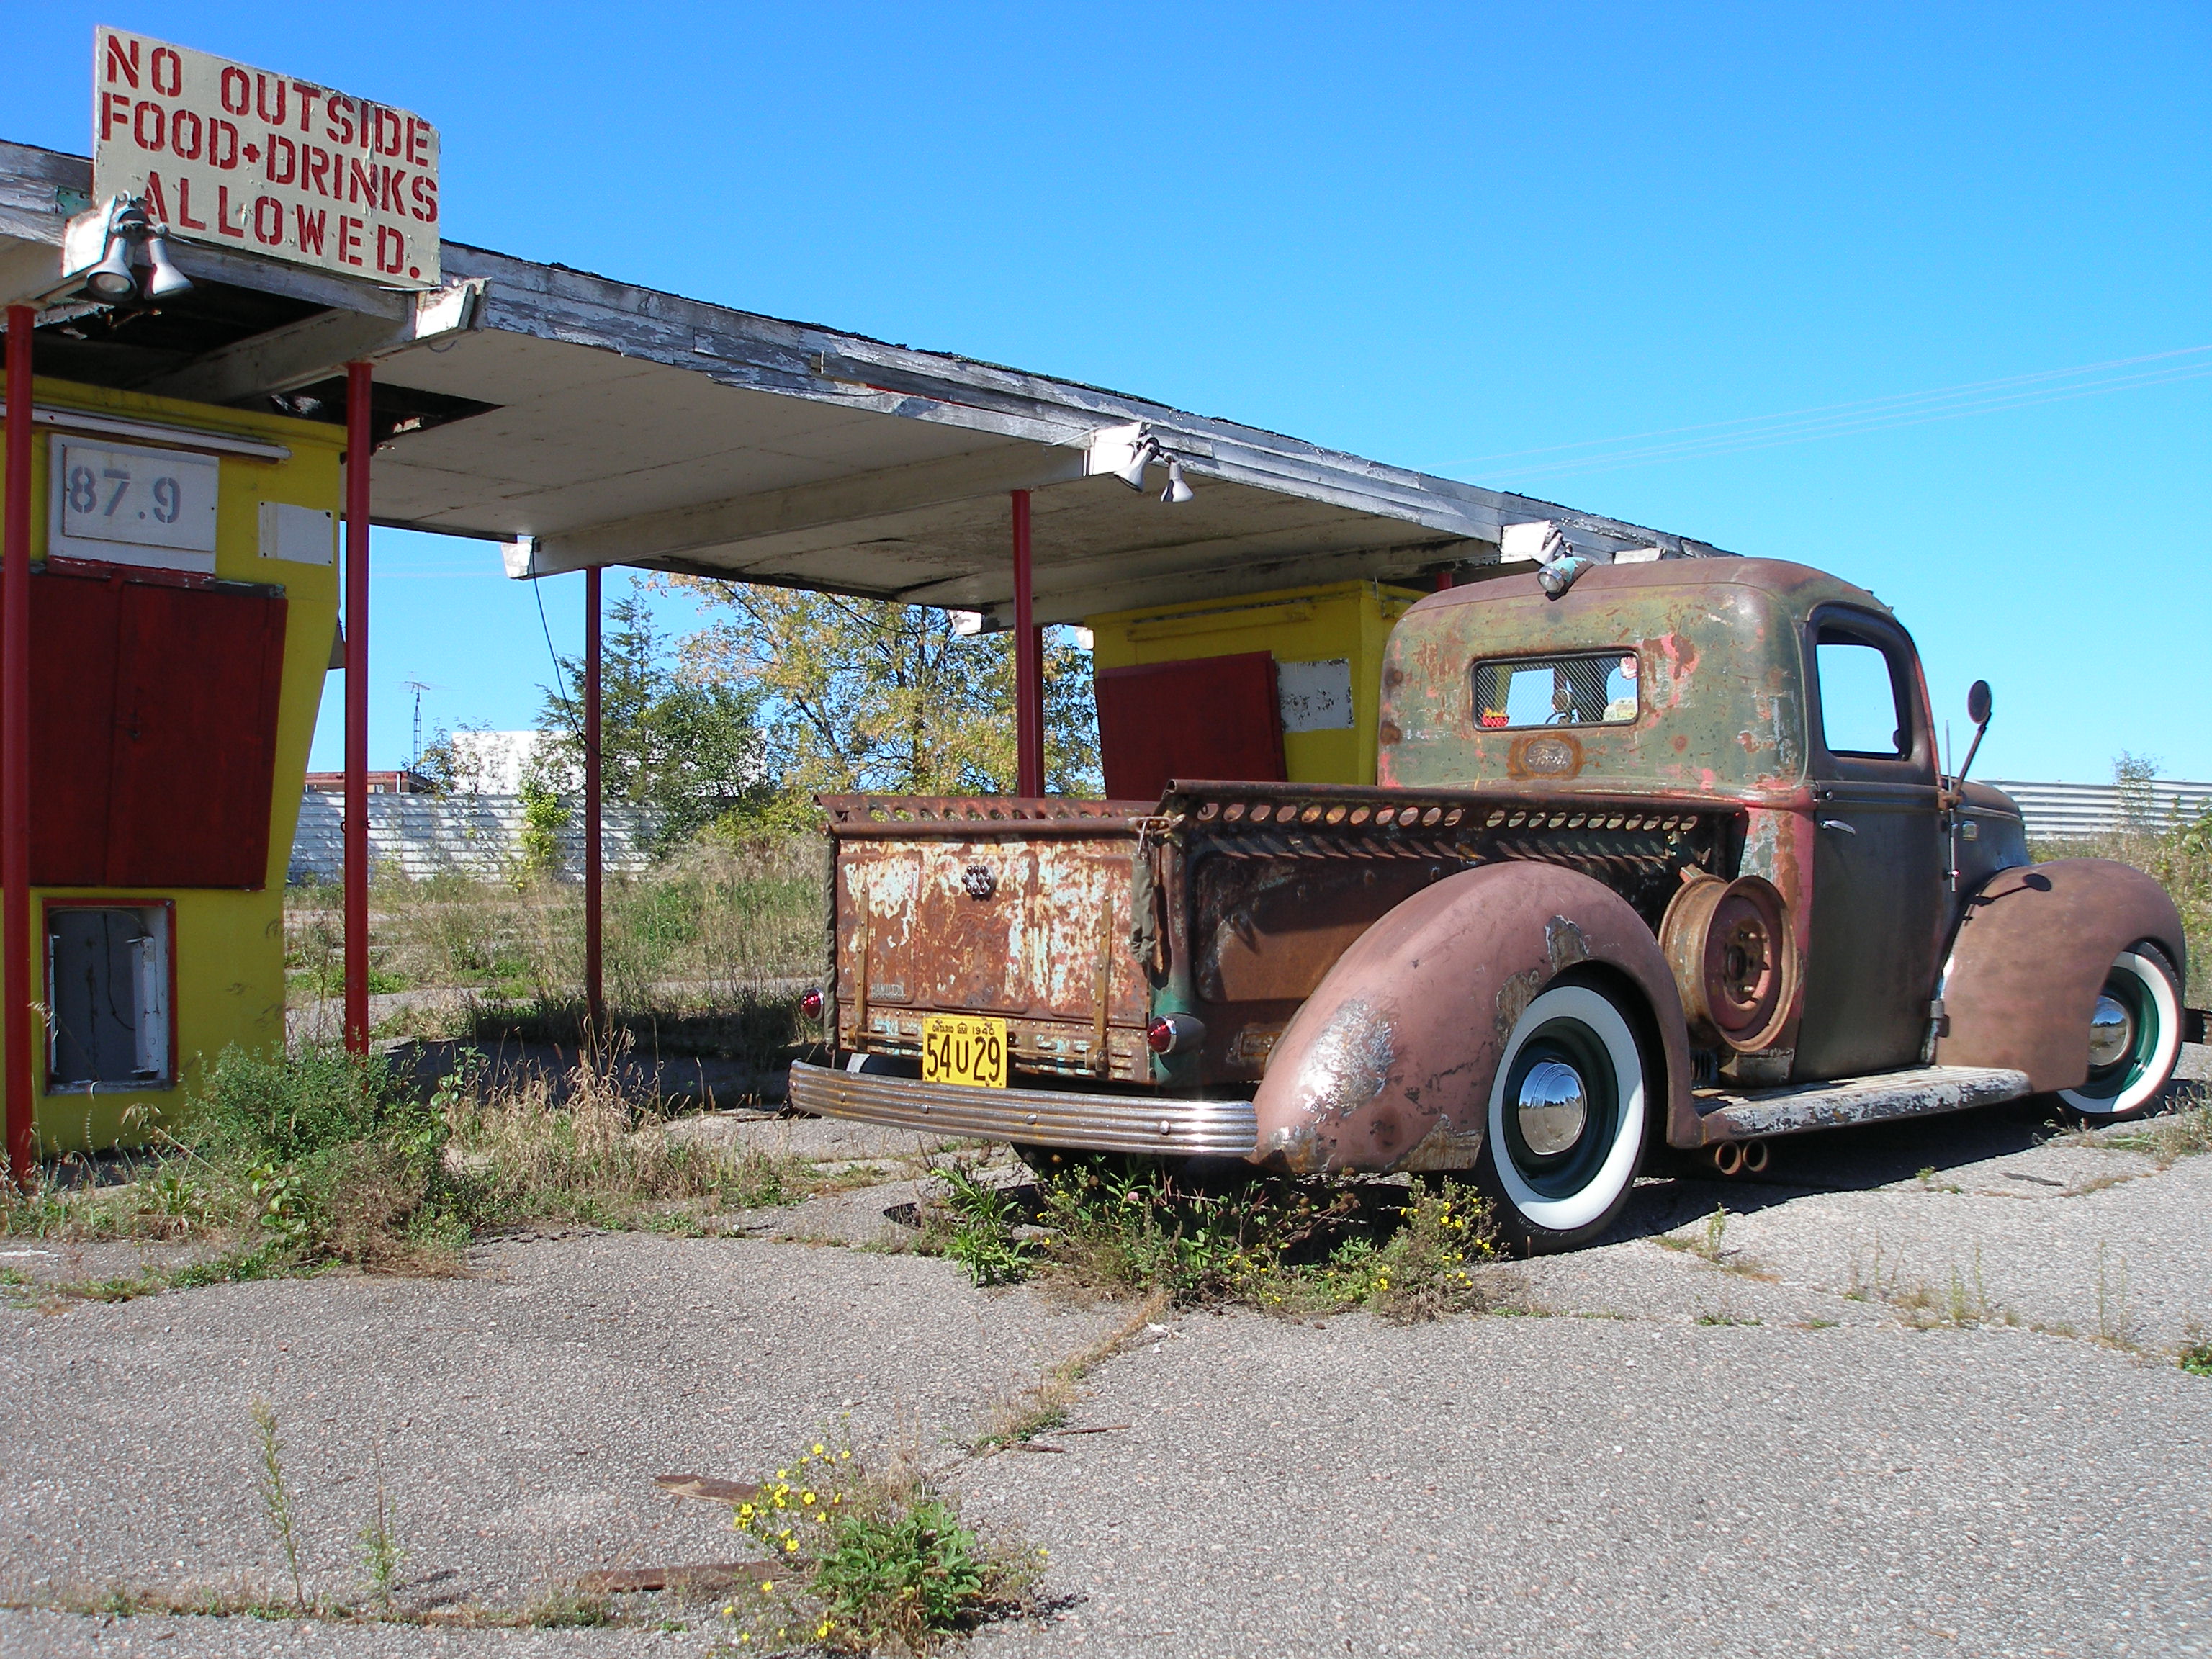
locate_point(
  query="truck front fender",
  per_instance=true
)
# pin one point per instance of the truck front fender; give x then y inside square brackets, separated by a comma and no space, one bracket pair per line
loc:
[2032,948]
[1388,1064]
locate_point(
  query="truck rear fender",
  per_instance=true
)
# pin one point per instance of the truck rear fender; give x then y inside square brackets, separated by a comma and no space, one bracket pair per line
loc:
[1388,1064]
[2032,949]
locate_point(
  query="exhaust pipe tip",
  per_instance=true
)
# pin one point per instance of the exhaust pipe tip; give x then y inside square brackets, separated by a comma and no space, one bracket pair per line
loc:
[1728,1158]
[1754,1157]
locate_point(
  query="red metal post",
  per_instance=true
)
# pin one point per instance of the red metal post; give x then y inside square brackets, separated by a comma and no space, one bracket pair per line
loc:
[1029,663]
[15,751]
[595,996]
[357,462]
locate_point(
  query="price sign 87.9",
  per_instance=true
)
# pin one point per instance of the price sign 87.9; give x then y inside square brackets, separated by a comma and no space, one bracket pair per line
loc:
[130,506]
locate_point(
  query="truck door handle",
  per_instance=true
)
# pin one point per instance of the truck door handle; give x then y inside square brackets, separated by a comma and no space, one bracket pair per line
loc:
[1838,824]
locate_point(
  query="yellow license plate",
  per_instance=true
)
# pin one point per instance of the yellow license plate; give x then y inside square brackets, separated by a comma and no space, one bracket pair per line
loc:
[964,1048]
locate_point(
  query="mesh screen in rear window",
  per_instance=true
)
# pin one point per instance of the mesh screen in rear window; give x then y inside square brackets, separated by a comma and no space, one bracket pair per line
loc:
[1595,688]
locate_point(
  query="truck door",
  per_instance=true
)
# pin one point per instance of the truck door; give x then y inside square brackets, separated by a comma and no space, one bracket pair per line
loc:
[1878,861]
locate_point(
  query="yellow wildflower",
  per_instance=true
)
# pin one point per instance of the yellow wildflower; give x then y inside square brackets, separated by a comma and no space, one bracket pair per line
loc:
[817,1449]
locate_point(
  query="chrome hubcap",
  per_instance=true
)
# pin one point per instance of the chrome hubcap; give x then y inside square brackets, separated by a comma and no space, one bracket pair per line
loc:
[1553,1106]
[2111,1033]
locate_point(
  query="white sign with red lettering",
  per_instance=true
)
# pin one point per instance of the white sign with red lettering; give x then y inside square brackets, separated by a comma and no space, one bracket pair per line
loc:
[262,163]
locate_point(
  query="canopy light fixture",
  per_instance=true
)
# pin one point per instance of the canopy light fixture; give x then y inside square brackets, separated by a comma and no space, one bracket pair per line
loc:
[1145,451]
[134,263]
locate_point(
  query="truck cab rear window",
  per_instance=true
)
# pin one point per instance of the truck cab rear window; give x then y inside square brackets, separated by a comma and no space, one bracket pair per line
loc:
[1589,689]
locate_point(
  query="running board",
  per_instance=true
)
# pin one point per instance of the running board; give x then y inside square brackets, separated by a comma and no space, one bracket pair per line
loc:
[1920,1091]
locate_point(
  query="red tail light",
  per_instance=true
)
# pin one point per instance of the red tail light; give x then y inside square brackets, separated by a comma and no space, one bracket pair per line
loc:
[1170,1033]
[812,1004]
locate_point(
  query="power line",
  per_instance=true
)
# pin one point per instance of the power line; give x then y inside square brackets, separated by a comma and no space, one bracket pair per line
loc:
[1864,415]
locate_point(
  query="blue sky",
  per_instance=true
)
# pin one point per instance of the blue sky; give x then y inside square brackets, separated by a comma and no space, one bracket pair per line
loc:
[1478,241]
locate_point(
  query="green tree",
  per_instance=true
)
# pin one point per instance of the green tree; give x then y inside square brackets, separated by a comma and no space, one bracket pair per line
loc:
[868,694]
[685,744]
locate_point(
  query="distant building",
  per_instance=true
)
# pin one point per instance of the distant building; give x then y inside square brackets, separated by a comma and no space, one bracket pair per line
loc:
[496,762]
[380,783]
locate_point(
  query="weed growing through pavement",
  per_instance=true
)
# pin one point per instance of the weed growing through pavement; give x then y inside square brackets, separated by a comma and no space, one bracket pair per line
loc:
[381,1554]
[1710,1245]
[2115,1327]
[276,1496]
[865,1558]
[1126,1227]
[1045,1404]
[2169,1137]
[1960,1302]
[982,1237]
[2194,1354]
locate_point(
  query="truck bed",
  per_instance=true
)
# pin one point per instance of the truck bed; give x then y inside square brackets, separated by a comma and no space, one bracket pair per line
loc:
[1077,920]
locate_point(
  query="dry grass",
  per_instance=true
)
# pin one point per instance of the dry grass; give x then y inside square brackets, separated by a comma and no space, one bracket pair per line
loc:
[1044,1405]
[586,1151]
[712,919]
[2168,1139]
[287,1165]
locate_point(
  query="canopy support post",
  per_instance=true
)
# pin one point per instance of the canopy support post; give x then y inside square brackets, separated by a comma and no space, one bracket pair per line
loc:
[595,997]
[358,453]
[1029,663]
[16,752]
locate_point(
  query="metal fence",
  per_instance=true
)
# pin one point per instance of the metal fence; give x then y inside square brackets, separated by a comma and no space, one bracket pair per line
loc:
[2082,811]
[421,836]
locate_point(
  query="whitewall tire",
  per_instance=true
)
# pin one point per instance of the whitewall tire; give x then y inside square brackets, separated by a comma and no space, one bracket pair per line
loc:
[2135,1037]
[1567,1117]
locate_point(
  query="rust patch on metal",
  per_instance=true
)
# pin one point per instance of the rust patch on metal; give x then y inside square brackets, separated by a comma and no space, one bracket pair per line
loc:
[1443,1148]
[1348,1064]
[1734,958]
[1514,996]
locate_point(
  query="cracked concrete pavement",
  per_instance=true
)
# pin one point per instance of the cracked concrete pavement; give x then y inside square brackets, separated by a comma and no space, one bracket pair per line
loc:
[1921,1402]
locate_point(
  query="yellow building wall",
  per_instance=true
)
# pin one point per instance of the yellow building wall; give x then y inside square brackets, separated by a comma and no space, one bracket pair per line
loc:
[228,946]
[1301,624]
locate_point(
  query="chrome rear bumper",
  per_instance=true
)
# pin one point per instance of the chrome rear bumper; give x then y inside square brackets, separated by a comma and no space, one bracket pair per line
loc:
[1157,1126]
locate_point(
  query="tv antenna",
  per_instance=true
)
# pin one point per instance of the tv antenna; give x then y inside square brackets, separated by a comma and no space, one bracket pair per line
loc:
[419,687]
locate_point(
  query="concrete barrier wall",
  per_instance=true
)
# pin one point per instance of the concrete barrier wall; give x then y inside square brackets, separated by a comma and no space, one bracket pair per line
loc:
[480,835]
[2082,811]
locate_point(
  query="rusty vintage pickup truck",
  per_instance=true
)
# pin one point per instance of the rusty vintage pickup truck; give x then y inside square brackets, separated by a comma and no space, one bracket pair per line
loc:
[1665,859]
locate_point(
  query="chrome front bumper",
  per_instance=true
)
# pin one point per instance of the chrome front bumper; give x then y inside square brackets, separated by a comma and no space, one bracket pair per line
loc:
[1158,1125]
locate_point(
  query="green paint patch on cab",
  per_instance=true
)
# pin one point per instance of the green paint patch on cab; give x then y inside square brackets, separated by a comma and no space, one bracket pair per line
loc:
[1719,651]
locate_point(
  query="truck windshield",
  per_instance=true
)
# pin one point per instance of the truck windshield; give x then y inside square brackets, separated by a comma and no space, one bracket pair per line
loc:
[1589,689]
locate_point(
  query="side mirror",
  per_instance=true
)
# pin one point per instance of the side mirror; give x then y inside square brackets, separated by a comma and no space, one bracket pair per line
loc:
[1978,710]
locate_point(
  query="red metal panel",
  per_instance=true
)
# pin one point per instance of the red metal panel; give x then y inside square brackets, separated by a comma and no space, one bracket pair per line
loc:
[199,676]
[1211,717]
[73,621]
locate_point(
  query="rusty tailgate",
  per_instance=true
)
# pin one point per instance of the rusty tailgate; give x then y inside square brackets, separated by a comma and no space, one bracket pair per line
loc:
[1019,909]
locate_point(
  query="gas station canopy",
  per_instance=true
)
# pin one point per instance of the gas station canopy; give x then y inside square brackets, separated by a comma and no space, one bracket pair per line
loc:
[588,422]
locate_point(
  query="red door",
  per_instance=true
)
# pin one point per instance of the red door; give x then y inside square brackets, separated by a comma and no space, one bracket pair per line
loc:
[154,712]
[197,679]
[72,726]
[1211,717]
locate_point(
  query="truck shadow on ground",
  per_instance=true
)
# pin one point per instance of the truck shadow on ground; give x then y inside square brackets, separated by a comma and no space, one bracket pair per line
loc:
[1859,1158]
